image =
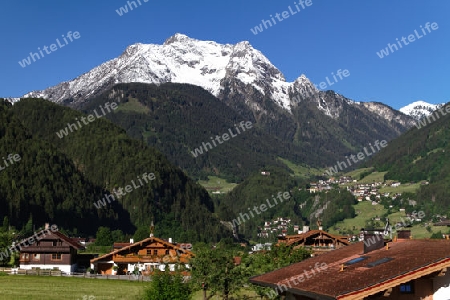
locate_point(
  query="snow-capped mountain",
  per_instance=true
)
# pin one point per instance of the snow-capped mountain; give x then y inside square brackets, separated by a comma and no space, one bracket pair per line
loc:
[419,109]
[182,59]
[239,75]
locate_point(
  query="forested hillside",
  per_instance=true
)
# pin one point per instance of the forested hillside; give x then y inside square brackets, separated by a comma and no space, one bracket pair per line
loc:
[45,185]
[422,154]
[177,118]
[62,177]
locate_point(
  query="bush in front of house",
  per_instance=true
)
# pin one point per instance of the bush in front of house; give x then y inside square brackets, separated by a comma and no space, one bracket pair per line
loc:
[167,286]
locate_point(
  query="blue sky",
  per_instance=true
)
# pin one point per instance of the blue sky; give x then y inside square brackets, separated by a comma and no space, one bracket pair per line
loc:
[320,39]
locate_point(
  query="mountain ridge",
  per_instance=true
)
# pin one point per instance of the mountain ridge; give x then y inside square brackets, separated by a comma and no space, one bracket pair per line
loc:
[222,69]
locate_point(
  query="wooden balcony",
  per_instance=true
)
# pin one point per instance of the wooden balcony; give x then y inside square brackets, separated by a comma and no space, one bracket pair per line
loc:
[147,259]
[46,249]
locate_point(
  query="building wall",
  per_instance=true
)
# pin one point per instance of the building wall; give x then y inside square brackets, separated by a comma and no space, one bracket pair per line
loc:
[64,268]
[105,268]
[43,259]
[423,290]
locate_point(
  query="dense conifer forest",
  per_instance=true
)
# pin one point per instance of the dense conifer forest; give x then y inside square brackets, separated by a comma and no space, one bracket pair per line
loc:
[57,179]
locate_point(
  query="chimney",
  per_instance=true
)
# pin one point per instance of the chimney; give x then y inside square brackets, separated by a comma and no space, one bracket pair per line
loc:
[131,241]
[305,229]
[47,226]
[170,240]
[373,242]
[404,234]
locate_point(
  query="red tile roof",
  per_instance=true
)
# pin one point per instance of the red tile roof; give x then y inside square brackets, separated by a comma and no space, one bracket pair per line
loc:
[411,259]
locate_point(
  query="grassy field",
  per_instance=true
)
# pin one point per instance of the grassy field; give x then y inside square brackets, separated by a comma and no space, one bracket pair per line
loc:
[365,211]
[18,287]
[355,174]
[301,171]
[373,177]
[403,188]
[133,105]
[215,183]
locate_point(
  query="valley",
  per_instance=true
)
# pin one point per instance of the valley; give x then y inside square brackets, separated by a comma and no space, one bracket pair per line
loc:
[182,156]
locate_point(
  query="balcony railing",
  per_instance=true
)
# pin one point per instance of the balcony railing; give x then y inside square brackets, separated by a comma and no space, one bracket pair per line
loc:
[48,249]
[146,258]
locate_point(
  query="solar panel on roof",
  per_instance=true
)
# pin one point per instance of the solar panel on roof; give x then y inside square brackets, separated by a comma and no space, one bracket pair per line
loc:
[355,260]
[379,262]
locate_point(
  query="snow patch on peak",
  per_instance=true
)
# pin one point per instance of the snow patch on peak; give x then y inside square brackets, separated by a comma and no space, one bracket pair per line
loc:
[420,109]
[12,100]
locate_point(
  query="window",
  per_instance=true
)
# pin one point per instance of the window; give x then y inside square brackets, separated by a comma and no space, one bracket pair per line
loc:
[379,262]
[149,252]
[36,257]
[355,260]
[167,251]
[54,243]
[155,252]
[56,256]
[407,288]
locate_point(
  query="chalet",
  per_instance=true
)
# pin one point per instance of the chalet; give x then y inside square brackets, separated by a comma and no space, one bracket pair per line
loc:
[146,256]
[318,241]
[404,269]
[50,250]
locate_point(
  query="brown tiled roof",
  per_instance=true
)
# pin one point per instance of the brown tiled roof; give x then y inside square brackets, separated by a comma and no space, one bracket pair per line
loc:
[411,259]
[70,241]
[298,237]
[48,232]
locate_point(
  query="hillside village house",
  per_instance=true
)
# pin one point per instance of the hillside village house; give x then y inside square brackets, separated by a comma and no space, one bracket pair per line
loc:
[50,250]
[319,241]
[146,256]
[404,269]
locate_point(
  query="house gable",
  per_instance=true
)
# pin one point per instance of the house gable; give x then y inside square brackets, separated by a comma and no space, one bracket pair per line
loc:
[151,249]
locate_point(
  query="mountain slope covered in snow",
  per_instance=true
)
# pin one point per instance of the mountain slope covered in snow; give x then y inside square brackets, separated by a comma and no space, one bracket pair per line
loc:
[419,109]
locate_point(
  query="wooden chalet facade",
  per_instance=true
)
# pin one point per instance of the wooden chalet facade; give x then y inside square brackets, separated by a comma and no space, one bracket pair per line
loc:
[50,250]
[318,241]
[146,256]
